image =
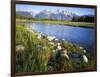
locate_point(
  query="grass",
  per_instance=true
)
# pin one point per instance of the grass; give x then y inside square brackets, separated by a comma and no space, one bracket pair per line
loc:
[34,59]
[30,59]
[61,22]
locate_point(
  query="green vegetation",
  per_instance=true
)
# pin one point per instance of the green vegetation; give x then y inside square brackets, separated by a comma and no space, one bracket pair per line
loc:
[33,58]
[61,22]
[42,59]
[84,18]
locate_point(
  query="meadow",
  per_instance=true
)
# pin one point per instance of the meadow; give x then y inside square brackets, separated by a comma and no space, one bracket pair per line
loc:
[42,55]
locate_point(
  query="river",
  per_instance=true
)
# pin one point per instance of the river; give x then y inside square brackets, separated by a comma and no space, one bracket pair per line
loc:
[80,36]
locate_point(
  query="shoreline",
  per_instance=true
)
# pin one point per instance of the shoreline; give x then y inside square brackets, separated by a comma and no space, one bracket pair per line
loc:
[73,24]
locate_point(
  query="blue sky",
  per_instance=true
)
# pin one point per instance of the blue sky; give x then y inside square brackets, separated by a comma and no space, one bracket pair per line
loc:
[38,8]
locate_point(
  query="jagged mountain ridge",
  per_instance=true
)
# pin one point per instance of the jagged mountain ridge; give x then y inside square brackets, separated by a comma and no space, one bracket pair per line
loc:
[52,15]
[55,15]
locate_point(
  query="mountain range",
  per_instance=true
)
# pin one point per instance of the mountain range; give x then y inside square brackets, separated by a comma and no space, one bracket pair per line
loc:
[24,14]
[55,15]
[52,15]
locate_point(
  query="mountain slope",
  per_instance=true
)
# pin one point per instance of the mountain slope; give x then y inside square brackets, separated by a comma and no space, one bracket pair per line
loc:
[55,15]
[24,14]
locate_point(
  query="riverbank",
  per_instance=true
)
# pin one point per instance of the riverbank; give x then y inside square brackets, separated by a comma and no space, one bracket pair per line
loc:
[36,52]
[68,23]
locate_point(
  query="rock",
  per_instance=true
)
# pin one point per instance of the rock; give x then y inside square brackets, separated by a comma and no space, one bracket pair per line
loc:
[50,38]
[61,58]
[58,44]
[65,51]
[30,29]
[84,51]
[19,48]
[85,59]
[43,36]
[59,47]
[56,39]
[65,55]
[39,36]
[81,48]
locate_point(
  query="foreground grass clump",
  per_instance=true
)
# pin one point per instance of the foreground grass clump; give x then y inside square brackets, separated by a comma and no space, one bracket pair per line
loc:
[32,58]
[41,55]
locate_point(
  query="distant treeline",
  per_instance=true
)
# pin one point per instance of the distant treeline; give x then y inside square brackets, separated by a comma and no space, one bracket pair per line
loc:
[83,19]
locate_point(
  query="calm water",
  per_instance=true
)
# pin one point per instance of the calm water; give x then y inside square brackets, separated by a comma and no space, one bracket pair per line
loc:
[80,36]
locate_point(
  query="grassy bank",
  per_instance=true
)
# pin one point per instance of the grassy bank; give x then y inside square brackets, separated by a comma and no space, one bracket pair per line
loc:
[69,23]
[39,56]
